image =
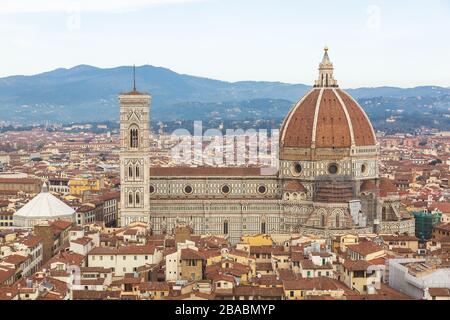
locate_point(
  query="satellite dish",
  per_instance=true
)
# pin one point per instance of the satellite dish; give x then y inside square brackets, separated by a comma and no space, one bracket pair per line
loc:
[259,275]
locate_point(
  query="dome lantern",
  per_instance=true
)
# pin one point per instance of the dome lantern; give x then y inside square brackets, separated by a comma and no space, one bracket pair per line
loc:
[326,69]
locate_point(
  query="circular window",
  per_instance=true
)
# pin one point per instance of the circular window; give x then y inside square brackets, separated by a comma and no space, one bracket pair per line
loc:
[333,168]
[296,169]
[188,189]
[363,168]
[262,189]
[226,189]
[152,189]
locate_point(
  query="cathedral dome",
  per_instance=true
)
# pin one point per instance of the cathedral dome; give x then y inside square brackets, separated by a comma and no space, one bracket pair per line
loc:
[327,117]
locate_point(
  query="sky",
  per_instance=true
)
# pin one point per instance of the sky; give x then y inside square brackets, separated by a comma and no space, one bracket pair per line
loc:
[401,43]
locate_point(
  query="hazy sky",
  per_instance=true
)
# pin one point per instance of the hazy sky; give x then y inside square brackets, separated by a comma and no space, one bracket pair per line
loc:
[372,43]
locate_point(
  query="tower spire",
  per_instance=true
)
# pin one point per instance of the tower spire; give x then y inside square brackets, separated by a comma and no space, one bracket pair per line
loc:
[134,77]
[326,69]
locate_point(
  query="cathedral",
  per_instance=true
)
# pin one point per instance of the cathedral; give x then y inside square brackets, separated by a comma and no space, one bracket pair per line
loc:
[327,183]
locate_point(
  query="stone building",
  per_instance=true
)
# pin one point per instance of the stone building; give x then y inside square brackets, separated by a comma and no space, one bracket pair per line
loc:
[327,183]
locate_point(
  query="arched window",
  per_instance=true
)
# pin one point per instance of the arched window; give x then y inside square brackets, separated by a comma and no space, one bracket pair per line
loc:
[137,171]
[338,220]
[130,172]
[138,199]
[263,227]
[130,199]
[225,227]
[134,137]
[322,220]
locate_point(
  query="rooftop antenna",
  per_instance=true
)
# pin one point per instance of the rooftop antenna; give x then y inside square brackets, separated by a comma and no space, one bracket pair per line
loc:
[134,77]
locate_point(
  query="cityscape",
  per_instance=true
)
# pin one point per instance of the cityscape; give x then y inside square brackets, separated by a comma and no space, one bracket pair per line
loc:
[328,199]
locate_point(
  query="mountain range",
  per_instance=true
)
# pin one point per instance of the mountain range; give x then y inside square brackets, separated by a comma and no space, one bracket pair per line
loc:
[87,93]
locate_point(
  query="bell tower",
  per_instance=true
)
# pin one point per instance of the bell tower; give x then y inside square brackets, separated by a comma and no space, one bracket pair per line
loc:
[134,156]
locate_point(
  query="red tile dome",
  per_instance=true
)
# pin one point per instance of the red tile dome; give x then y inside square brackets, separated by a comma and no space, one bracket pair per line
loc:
[327,117]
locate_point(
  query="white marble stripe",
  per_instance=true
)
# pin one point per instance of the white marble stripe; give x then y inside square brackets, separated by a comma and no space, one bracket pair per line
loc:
[316,116]
[349,121]
[291,113]
[365,115]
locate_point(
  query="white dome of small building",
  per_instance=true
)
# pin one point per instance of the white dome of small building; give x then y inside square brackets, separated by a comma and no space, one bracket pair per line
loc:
[43,207]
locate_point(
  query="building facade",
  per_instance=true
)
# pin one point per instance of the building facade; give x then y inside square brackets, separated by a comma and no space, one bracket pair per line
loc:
[327,183]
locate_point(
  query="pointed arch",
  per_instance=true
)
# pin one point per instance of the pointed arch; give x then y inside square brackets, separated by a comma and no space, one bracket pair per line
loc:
[130,199]
[137,171]
[134,136]
[138,199]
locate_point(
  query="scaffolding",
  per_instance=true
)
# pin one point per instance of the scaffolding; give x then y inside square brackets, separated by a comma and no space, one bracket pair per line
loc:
[425,221]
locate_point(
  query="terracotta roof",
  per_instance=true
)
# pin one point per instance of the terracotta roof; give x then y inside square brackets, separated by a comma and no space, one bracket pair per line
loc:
[286,274]
[82,241]
[267,280]
[260,249]
[257,291]
[443,207]
[387,186]
[154,286]
[321,254]
[94,295]
[365,248]
[15,259]
[32,241]
[235,268]
[294,186]
[190,254]
[322,297]
[368,185]
[264,266]
[383,293]
[67,258]
[356,265]
[439,292]
[51,296]
[399,238]
[61,224]
[221,277]
[6,293]
[21,181]
[6,273]
[309,265]
[124,250]
[297,256]
[319,283]
[95,282]
[209,253]
[240,253]
[443,226]
[332,127]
